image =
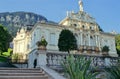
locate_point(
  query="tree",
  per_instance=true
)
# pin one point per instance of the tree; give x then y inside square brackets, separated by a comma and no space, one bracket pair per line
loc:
[67,41]
[5,39]
[117,41]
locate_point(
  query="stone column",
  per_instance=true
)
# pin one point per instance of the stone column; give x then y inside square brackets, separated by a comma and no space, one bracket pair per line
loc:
[96,40]
[81,39]
[89,39]
[99,42]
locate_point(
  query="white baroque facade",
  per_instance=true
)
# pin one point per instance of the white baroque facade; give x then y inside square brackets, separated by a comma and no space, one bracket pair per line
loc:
[21,43]
[90,39]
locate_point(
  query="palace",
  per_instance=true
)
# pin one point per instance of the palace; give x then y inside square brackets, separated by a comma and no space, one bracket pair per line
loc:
[90,38]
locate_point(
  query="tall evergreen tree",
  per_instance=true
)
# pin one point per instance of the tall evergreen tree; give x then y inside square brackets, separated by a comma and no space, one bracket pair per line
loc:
[67,41]
[5,38]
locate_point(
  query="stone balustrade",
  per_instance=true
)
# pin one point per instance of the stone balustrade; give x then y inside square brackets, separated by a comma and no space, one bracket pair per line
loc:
[55,59]
[89,48]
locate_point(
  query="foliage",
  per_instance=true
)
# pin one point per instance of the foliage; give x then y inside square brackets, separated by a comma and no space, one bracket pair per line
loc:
[5,39]
[17,57]
[100,29]
[78,68]
[67,41]
[42,42]
[105,49]
[113,72]
[117,41]
[8,53]
[3,59]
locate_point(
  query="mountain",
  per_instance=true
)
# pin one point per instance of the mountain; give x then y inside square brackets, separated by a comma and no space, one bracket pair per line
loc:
[15,20]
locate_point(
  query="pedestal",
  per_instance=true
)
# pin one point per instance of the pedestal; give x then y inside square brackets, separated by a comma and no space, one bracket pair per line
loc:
[41,58]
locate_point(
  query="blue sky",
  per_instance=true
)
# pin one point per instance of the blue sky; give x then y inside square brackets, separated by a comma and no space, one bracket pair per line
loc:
[106,12]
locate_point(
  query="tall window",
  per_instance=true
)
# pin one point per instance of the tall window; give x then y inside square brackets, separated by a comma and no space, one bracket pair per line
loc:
[52,39]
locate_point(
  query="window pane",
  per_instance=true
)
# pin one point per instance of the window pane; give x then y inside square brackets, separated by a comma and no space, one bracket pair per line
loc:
[52,39]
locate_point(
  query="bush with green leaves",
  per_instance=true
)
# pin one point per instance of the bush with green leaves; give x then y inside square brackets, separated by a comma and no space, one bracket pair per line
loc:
[8,53]
[105,49]
[42,42]
[113,73]
[17,57]
[78,68]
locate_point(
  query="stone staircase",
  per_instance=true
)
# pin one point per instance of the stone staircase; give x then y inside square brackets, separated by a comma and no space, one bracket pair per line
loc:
[22,73]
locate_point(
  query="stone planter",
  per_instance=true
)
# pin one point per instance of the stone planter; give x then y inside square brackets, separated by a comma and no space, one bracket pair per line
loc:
[105,53]
[41,47]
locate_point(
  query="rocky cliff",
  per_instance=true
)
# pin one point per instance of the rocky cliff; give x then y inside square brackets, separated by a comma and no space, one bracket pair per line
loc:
[15,20]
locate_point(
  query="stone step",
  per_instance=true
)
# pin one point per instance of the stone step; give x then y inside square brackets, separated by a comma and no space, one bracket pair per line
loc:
[22,74]
[24,77]
[35,69]
[21,71]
